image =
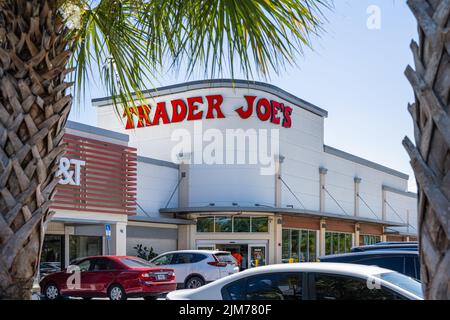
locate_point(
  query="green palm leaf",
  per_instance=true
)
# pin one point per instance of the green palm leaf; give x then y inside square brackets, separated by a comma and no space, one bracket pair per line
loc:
[129,41]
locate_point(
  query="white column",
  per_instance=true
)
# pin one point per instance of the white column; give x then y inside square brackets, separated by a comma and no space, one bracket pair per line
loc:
[407,221]
[278,164]
[183,188]
[67,232]
[192,239]
[119,239]
[183,237]
[278,238]
[322,231]
[356,207]
[322,172]
[357,231]
[383,208]
[384,236]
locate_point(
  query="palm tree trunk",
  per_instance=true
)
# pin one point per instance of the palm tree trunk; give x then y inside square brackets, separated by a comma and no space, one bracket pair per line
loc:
[430,157]
[33,112]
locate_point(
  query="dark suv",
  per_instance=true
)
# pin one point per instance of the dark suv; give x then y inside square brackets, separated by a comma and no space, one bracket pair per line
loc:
[403,261]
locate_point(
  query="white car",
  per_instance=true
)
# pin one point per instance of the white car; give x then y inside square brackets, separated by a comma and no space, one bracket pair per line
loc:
[194,268]
[308,281]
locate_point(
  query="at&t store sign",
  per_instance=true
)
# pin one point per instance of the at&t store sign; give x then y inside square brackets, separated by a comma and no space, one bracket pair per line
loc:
[69,171]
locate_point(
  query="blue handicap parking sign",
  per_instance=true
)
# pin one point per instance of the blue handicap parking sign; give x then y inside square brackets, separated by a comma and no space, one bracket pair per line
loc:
[108,231]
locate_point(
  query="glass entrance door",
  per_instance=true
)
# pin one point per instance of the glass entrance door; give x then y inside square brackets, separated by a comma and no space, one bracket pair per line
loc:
[257,255]
[239,252]
[250,253]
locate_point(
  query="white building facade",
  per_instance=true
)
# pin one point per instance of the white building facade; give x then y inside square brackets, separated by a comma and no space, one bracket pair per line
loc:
[242,166]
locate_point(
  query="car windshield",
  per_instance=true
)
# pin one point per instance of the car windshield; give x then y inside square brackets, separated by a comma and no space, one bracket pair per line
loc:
[404,282]
[136,262]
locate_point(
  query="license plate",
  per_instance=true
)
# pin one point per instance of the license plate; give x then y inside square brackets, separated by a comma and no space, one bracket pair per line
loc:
[160,277]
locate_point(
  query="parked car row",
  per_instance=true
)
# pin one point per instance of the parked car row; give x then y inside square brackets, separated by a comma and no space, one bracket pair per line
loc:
[384,271]
[195,268]
[114,277]
[381,271]
[120,277]
[393,245]
[308,281]
[402,261]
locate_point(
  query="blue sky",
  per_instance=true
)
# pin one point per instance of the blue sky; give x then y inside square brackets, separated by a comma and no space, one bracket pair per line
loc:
[353,72]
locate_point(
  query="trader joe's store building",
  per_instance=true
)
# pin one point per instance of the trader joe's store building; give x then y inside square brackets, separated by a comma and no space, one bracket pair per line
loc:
[221,165]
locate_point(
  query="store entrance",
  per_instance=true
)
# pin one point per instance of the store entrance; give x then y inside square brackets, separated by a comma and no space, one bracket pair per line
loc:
[249,255]
[239,252]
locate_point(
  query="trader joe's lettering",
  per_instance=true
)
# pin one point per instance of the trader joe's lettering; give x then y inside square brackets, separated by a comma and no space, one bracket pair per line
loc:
[192,109]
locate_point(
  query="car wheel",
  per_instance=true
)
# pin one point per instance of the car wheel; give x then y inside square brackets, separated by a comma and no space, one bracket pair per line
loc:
[194,282]
[116,292]
[51,291]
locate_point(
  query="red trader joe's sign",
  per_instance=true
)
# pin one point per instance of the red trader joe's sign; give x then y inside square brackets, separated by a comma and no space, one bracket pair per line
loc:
[188,110]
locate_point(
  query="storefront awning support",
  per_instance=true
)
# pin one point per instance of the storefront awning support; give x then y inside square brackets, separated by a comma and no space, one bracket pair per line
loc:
[396,213]
[373,212]
[290,190]
[175,190]
[328,192]
[142,209]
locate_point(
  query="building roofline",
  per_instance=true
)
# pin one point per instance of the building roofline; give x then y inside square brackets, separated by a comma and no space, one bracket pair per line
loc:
[401,192]
[98,131]
[400,233]
[157,162]
[364,162]
[223,83]
[160,220]
[287,211]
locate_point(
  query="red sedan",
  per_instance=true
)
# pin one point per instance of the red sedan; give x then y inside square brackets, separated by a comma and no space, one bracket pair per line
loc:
[116,277]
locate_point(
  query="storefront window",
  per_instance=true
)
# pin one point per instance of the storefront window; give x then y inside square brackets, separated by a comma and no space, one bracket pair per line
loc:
[341,243]
[241,224]
[328,243]
[369,239]
[235,224]
[295,240]
[260,224]
[337,242]
[304,243]
[84,246]
[223,224]
[205,224]
[299,245]
[286,242]
[312,246]
[348,242]
[52,257]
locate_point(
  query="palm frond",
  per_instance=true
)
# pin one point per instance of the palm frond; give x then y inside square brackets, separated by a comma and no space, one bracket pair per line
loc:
[128,41]
[111,42]
[249,35]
